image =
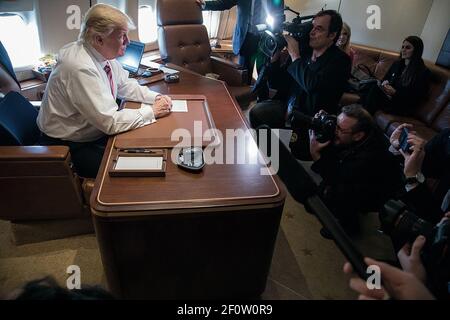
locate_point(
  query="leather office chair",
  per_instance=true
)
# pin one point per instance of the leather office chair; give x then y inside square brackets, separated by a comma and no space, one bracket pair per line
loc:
[183,40]
[39,193]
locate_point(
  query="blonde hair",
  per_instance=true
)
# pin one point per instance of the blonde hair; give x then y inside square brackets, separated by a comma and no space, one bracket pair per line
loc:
[102,20]
[346,27]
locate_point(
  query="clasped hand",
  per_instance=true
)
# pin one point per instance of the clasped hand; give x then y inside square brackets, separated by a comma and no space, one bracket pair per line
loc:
[162,106]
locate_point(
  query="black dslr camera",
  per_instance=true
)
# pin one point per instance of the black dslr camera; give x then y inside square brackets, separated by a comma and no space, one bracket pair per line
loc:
[404,225]
[397,220]
[324,125]
[272,40]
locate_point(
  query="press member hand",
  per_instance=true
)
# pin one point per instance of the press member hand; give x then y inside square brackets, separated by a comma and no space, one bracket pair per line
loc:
[276,56]
[414,159]
[161,107]
[397,283]
[315,147]
[395,136]
[281,56]
[292,47]
[321,112]
[446,217]
[410,260]
[389,90]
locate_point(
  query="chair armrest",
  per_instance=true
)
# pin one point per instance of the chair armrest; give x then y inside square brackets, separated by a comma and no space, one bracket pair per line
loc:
[232,73]
[226,62]
[33,153]
[35,161]
[87,186]
[38,183]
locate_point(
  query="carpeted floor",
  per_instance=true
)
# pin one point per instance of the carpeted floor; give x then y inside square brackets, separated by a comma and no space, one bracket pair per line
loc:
[304,265]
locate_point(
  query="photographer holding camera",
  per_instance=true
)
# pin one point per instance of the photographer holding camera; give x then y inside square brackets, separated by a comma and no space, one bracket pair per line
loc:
[409,283]
[398,284]
[315,79]
[418,217]
[425,159]
[359,173]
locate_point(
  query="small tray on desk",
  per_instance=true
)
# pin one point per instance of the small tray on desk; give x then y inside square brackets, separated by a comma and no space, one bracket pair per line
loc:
[138,162]
[159,134]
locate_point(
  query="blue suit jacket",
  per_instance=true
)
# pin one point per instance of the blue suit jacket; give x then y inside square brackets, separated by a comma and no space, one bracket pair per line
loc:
[244,8]
[6,62]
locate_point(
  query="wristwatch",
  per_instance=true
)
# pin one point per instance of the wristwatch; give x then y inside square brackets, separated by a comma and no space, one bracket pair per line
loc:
[418,178]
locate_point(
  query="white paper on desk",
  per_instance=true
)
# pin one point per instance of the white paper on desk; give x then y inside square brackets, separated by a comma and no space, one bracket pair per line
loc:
[147,61]
[168,70]
[139,163]
[179,106]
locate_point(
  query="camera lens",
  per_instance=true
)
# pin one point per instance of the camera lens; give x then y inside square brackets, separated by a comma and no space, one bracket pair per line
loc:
[270,44]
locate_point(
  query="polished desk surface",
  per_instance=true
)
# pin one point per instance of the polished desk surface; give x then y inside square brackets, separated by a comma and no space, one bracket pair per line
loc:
[218,185]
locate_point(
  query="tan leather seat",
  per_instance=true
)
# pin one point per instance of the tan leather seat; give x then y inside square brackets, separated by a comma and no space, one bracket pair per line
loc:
[431,116]
[183,41]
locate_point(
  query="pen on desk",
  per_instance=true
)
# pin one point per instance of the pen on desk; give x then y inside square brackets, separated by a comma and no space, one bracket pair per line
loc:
[138,151]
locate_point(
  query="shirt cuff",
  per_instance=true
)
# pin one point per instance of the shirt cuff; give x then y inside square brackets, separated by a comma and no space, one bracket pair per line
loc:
[394,151]
[146,111]
[150,96]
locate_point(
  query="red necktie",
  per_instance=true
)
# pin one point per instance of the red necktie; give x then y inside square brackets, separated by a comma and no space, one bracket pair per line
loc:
[107,69]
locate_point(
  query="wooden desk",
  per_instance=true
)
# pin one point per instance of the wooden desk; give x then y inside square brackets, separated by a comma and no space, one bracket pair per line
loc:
[207,235]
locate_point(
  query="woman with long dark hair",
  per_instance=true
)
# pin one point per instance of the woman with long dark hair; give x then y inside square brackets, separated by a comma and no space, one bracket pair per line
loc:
[405,84]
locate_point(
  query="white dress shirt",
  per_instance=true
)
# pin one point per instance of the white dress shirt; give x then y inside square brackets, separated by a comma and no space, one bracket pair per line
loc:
[78,104]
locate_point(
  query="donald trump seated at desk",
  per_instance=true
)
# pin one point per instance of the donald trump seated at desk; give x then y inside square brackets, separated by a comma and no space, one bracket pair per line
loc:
[79,107]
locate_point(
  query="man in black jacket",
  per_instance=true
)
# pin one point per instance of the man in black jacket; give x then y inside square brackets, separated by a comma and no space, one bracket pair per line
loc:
[359,173]
[314,80]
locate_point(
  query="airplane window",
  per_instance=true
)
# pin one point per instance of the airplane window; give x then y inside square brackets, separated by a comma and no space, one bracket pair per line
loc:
[147,24]
[211,21]
[22,44]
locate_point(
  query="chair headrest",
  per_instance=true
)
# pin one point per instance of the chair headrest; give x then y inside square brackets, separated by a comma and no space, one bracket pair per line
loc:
[174,12]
